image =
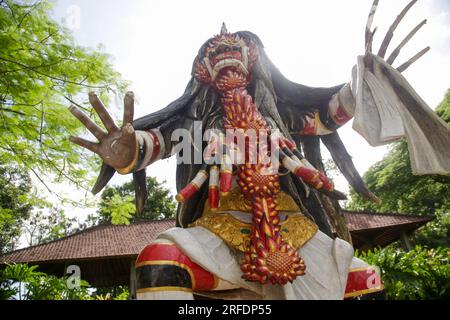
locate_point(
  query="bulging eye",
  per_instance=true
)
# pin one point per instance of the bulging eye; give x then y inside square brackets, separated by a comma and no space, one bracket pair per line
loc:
[227,49]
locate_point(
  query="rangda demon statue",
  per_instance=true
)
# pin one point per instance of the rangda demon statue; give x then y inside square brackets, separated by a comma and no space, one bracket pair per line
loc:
[256,218]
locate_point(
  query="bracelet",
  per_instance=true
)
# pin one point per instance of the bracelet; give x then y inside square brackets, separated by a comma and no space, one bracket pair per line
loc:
[128,169]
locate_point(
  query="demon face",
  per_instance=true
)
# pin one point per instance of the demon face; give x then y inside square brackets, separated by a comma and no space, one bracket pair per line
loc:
[226,61]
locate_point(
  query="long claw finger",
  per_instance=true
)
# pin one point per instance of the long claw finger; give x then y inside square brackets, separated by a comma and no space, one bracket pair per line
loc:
[304,169]
[369,33]
[308,175]
[369,44]
[193,186]
[128,103]
[393,27]
[396,51]
[88,123]
[140,189]
[106,173]
[408,63]
[102,112]
[327,183]
[94,147]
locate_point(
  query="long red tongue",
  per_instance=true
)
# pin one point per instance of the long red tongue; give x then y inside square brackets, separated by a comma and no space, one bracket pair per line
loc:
[268,259]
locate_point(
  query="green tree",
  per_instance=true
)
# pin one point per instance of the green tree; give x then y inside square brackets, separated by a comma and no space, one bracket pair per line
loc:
[46,225]
[118,209]
[41,70]
[23,282]
[443,109]
[421,273]
[117,203]
[13,277]
[392,181]
[15,205]
[114,293]
[23,212]
[436,233]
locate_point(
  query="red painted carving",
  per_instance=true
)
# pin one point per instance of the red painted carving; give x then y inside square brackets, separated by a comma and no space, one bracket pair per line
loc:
[268,258]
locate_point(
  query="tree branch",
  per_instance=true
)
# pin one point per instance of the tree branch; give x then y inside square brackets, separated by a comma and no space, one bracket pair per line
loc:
[13,111]
[28,13]
[77,104]
[23,104]
[42,125]
[55,78]
[12,11]
[49,36]
[35,67]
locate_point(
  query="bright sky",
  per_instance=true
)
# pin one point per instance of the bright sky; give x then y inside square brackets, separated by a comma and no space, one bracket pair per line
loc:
[153,44]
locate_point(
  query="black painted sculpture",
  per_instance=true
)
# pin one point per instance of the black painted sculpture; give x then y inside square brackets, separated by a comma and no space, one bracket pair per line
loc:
[261,216]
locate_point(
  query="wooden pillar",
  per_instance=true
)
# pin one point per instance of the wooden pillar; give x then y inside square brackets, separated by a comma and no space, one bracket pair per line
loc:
[132,286]
[406,244]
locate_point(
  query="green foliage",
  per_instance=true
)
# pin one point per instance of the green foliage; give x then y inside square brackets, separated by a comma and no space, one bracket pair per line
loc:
[16,274]
[41,69]
[22,212]
[443,109]
[117,203]
[399,190]
[418,274]
[115,293]
[7,291]
[119,209]
[436,233]
[48,287]
[23,282]
[47,225]
[15,205]
[123,294]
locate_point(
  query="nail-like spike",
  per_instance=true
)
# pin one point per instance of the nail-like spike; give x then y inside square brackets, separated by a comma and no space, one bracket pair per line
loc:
[393,27]
[396,51]
[369,33]
[408,63]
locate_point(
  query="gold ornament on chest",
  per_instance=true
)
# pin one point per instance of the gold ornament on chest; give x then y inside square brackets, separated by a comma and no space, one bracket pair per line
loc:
[296,229]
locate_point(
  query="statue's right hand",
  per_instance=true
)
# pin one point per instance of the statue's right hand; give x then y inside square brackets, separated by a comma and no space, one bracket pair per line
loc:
[117,146]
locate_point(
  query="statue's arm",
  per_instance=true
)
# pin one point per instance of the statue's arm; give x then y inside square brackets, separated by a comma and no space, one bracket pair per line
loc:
[338,111]
[151,148]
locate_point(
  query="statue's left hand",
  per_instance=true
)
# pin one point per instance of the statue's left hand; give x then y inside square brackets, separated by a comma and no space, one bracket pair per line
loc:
[118,146]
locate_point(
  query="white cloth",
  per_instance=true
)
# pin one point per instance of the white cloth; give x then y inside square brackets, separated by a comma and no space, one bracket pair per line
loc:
[387,108]
[327,264]
[165,295]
